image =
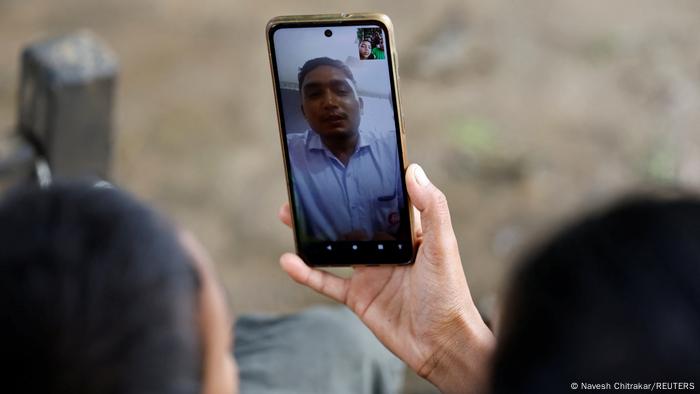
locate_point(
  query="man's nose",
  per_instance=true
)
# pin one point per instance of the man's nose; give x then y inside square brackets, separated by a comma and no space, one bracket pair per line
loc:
[330,99]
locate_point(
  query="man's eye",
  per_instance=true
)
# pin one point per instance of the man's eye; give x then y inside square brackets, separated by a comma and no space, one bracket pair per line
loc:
[342,91]
[312,94]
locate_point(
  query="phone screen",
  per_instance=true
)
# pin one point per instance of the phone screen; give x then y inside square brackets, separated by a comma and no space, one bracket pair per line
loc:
[342,143]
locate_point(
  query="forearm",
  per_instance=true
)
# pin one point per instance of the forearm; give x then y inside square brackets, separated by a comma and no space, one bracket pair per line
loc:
[462,362]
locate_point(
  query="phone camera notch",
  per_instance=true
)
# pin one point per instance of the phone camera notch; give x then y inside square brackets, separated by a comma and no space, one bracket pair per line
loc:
[328,32]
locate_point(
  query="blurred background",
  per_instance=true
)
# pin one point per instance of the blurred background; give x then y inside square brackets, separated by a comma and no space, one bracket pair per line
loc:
[523,113]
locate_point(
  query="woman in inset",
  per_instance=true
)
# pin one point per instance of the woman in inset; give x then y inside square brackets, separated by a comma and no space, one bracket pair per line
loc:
[366,50]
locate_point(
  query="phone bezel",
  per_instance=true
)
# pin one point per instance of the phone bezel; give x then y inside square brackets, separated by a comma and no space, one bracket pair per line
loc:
[342,252]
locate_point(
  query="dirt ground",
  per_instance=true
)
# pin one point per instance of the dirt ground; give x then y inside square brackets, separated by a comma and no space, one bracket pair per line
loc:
[523,112]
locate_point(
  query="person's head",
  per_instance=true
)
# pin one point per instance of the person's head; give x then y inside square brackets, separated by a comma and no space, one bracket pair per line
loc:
[613,298]
[98,294]
[329,99]
[378,41]
[365,49]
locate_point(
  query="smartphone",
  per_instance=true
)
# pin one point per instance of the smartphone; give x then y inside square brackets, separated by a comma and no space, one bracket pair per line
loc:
[341,131]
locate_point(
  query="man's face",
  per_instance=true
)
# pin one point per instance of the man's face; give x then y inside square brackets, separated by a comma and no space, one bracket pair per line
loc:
[330,103]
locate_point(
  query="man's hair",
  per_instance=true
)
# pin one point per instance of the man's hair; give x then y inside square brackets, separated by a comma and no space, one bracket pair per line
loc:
[96,296]
[613,298]
[312,64]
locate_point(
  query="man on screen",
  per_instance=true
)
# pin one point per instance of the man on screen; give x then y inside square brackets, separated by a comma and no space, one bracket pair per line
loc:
[347,181]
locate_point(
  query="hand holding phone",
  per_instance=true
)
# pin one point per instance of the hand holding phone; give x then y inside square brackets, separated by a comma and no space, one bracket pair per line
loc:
[422,312]
[342,139]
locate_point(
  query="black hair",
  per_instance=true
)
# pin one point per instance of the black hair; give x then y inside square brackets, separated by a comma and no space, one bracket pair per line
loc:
[96,296]
[613,298]
[312,64]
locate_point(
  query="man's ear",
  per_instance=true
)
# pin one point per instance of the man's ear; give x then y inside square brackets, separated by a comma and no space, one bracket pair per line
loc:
[362,106]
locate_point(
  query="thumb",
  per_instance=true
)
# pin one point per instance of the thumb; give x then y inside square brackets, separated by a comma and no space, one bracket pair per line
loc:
[432,205]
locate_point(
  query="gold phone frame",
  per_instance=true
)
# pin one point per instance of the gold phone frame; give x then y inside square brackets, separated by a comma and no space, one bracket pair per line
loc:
[339,19]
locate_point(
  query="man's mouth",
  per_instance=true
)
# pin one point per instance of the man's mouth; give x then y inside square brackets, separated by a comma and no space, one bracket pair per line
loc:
[334,117]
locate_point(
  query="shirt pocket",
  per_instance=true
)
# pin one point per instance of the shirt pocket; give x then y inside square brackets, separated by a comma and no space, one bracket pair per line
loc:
[387,217]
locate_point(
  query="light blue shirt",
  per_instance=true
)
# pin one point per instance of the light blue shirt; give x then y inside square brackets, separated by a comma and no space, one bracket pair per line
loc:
[333,199]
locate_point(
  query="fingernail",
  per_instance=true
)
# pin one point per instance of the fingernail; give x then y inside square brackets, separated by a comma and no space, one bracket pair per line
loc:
[420,176]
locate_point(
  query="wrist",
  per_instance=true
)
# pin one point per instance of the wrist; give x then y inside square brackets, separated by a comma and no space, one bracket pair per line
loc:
[461,362]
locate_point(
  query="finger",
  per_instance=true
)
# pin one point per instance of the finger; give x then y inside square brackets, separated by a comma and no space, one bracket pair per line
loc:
[320,281]
[429,200]
[285,214]
[432,205]
[417,227]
